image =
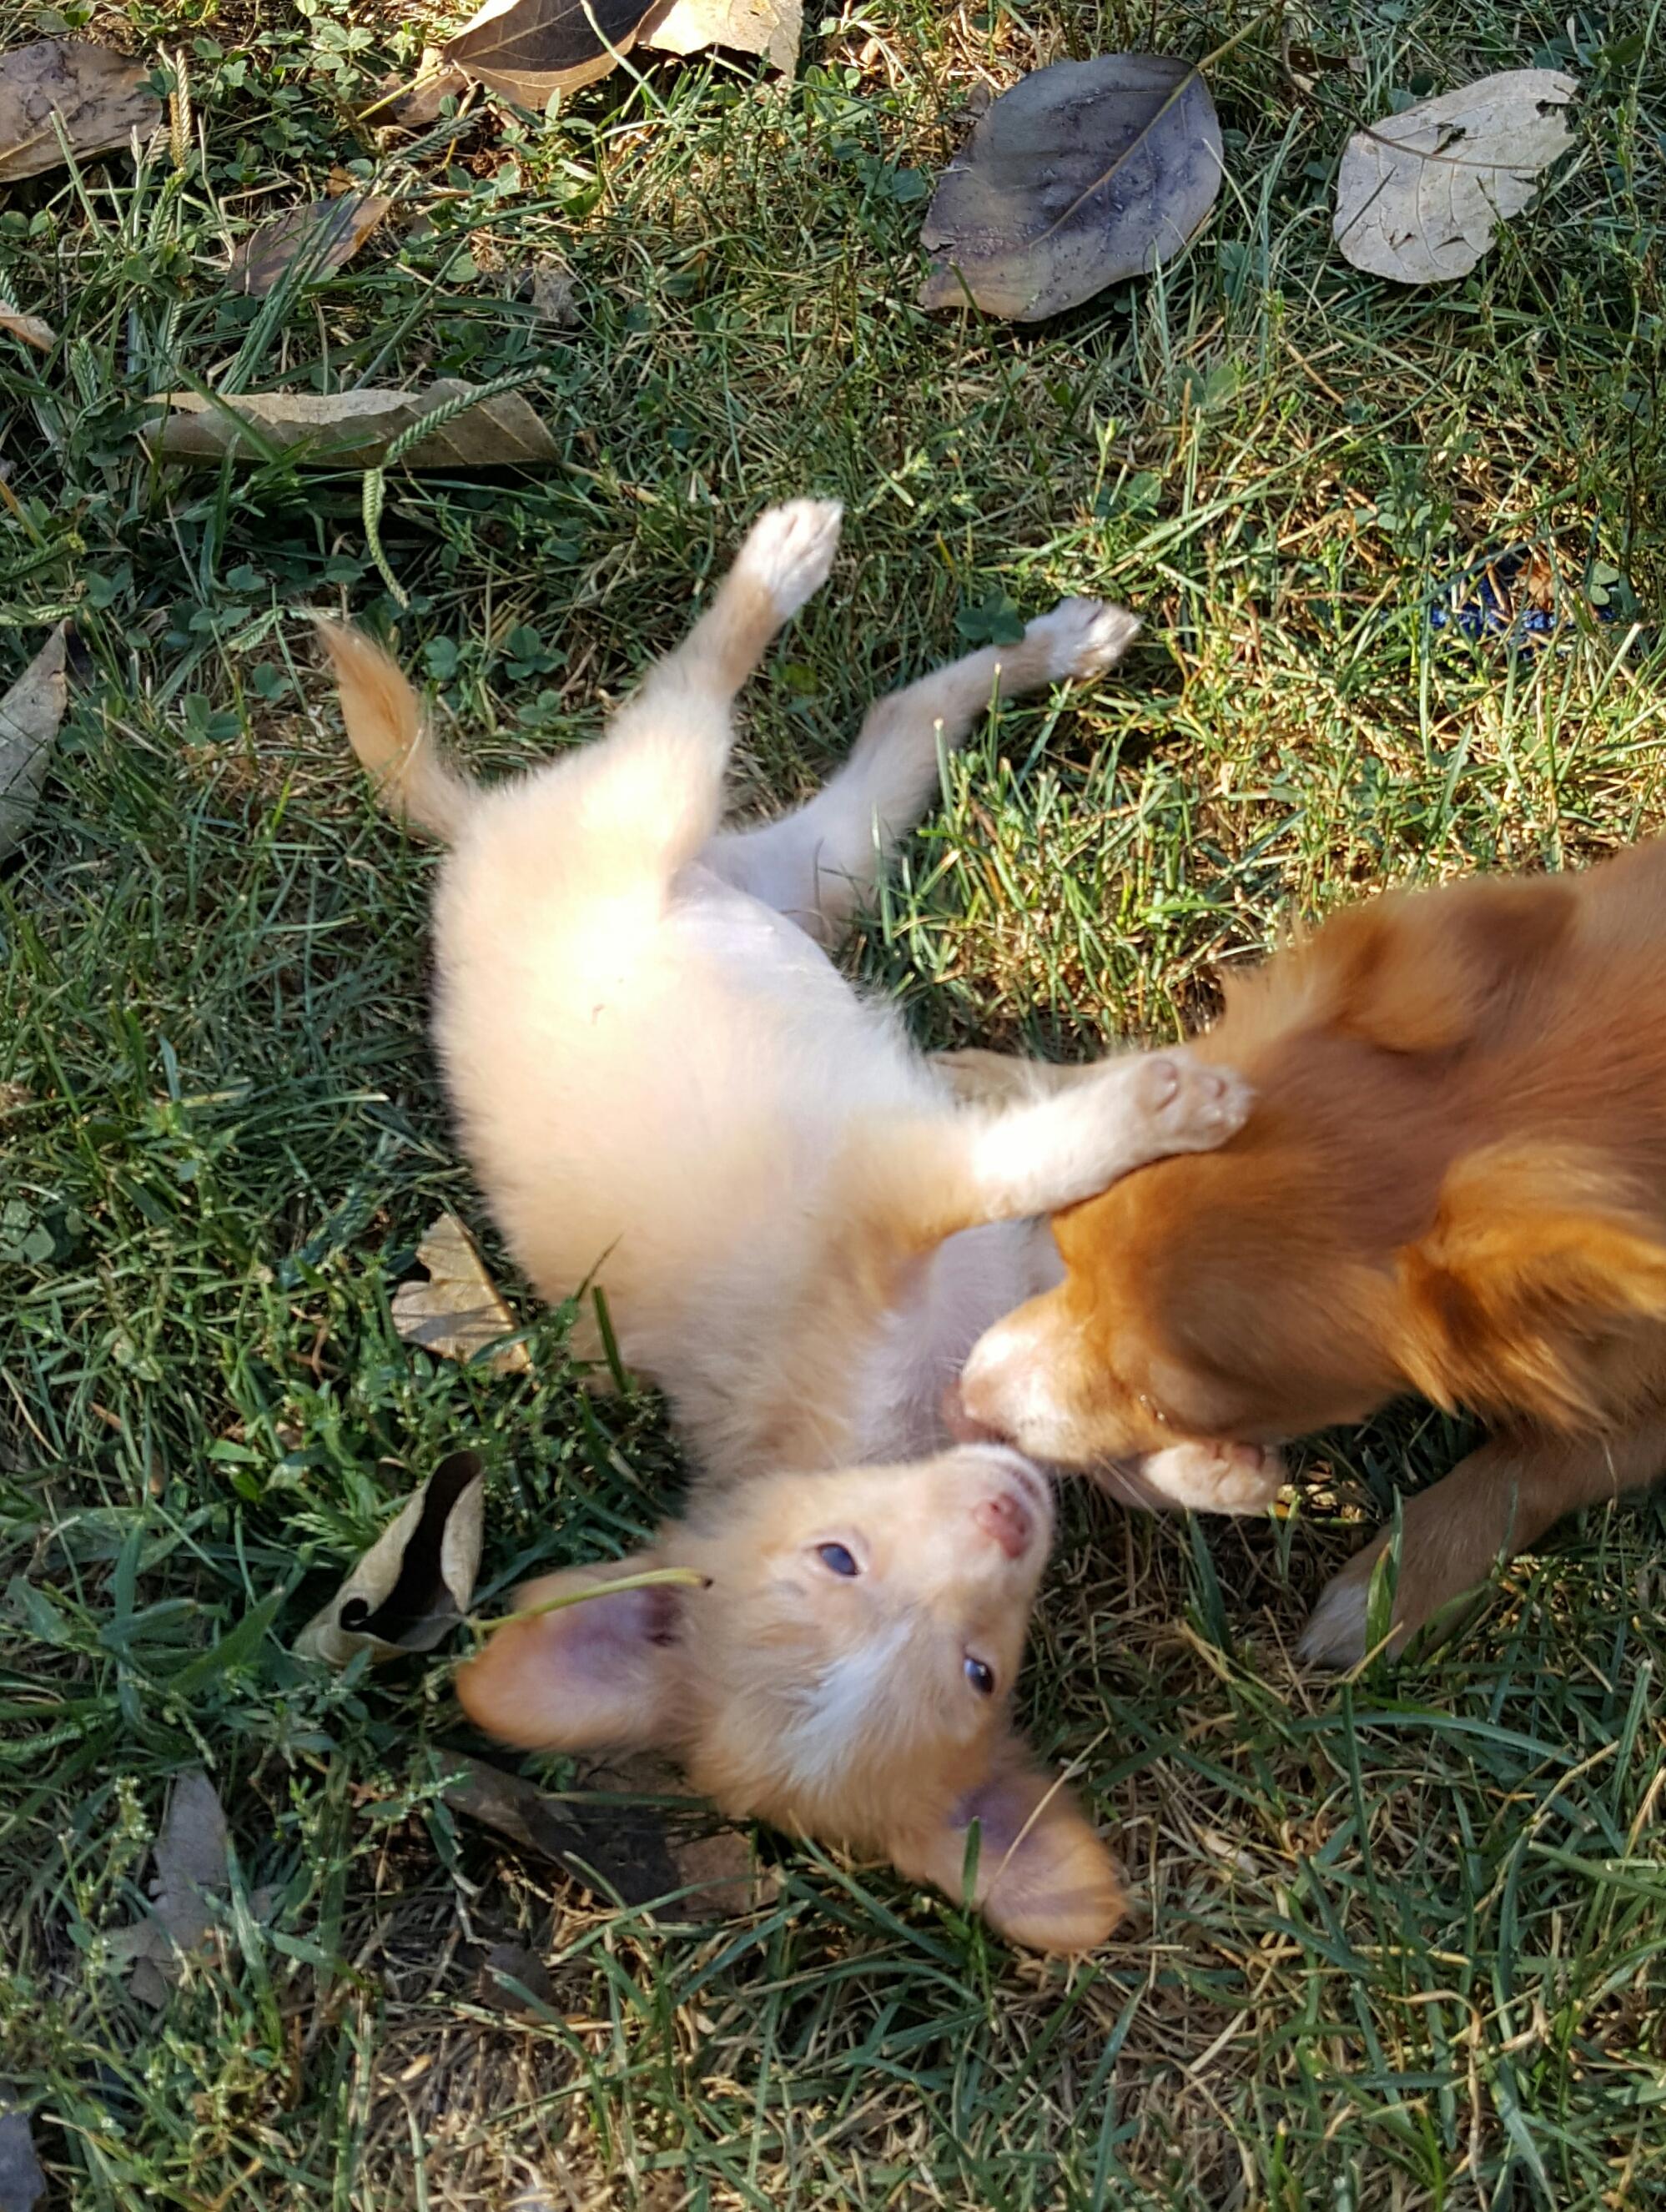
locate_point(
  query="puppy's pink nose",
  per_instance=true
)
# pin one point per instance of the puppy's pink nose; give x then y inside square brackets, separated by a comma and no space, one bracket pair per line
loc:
[1008,1521]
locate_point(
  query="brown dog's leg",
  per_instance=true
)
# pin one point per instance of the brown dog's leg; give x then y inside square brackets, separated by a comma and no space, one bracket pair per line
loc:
[1493,1504]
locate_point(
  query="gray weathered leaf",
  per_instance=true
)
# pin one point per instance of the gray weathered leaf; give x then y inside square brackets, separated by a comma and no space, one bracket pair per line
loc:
[458,1311]
[414,1585]
[100,98]
[30,328]
[314,241]
[190,1868]
[30,714]
[638,1852]
[354,429]
[1420,195]
[1083,175]
[22,2181]
[774,28]
[530,50]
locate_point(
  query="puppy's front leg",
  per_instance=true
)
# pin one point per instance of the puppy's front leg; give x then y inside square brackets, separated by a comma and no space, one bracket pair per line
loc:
[928,1177]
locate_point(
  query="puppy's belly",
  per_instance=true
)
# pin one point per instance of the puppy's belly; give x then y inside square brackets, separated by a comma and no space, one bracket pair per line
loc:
[973,1279]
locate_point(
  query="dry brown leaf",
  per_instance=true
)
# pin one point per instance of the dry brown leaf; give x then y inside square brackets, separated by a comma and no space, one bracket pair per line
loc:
[100,97]
[553,295]
[530,50]
[30,328]
[415,1584]
[354,429]
[191,1865]
[415,105]
[774,28]
[458,1311]
[30,714]
[312,242]
[1420,195]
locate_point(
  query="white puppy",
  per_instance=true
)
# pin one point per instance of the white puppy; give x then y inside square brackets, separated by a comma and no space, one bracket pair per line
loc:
[666,1086]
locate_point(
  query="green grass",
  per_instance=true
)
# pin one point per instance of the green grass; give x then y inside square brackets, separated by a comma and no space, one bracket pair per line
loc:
[1400,1944]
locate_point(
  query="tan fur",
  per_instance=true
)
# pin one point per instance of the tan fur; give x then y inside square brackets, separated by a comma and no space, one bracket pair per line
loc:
[665,1085]
[1453,1182]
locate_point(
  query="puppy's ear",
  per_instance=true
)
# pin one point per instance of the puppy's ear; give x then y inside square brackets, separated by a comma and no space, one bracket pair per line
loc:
[1043,1877]
[1536,1259]
[1416,972]
[601,1676]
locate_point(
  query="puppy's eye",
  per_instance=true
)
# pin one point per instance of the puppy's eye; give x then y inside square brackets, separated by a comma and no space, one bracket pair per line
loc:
[981,1677]
[838,1559]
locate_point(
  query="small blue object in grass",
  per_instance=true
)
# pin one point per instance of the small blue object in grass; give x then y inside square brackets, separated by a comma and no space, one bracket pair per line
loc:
[1518,594]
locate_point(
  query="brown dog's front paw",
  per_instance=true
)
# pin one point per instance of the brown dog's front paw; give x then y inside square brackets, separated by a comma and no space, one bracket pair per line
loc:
[1191,1108]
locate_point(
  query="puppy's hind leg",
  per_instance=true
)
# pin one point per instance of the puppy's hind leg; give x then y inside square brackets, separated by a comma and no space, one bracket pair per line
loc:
[818,864]
[655,783]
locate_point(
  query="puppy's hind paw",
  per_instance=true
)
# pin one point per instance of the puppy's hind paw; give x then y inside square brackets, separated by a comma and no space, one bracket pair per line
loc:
[1083,637]
[1192,1108]
[790,549]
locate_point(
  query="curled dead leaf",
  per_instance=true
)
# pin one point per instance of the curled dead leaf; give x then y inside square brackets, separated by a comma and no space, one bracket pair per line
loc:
[1419,195]
[457,1312]
[98,99]
[415,105]
[354,429]
[311,242]
[1083,175]
[772,28]
[30,714]
[415,1584]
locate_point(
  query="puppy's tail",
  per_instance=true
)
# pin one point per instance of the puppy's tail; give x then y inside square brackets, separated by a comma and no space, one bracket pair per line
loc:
[390,734]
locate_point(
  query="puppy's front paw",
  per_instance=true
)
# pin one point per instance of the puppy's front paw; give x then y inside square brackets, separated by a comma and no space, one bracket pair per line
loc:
[790,550]
[1190,1107]
[1083,637]
[1213,1478]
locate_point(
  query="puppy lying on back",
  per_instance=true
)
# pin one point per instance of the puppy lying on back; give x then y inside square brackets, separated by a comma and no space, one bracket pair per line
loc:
[663,1083]
[1453,1182]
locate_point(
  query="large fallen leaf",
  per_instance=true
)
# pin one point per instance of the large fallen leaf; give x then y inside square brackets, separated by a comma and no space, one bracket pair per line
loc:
[314,241]
[22,2181]
[100,98]
[530,50]
[638,1853]
[191,1868]
[1083,175]
[354,429]
[750,26]
[30,328]
[1419,195]
[414,1585]
[30,716]
[458,1311]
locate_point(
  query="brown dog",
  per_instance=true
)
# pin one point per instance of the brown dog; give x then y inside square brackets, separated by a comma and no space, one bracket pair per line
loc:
[1453,1182]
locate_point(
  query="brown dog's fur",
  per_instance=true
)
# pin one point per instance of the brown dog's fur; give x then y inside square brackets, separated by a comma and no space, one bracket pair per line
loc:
[1453,1182]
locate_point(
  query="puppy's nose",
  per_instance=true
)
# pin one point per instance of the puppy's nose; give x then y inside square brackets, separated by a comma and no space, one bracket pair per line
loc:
[1008,1521]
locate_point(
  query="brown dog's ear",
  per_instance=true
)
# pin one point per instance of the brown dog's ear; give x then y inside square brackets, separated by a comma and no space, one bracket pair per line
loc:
[601,1676]
[1043,1877]
[1413,972]
[1536,1258]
